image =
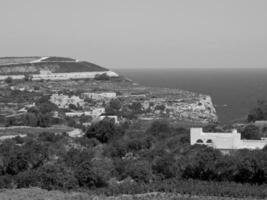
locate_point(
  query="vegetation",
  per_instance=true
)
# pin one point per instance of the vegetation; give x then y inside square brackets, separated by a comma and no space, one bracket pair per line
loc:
[36,193]
[112,159]
[259,112]
[41,115]
[102,77]
[9,80]
[251,132]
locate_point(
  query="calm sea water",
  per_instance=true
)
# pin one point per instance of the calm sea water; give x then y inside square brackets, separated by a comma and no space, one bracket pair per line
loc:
[234,91]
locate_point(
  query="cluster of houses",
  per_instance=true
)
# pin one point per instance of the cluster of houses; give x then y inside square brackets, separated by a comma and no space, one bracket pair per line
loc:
[95,110]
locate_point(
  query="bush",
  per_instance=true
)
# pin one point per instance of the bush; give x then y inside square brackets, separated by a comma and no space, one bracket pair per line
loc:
[160,128]
[200,163]
[259,112]
[26,179]
[102,77]
[251,132]
[88,176]
[104,131]
[138,170]
[6,181]
[165,167]
[9,80]
[114,106]
[49,137]
[56,176]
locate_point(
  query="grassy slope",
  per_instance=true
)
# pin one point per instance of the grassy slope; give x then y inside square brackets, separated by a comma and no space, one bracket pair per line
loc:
[14,60]
[39,194]
[61,67]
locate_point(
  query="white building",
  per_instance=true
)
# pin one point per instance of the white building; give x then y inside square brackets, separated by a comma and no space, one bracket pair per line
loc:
[224,141]
[113,117]
[63,101]
[48,75]
[95,113]
[100,96]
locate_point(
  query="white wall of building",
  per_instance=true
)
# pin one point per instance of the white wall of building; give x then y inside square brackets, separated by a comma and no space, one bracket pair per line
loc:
[231,140]
[61,76]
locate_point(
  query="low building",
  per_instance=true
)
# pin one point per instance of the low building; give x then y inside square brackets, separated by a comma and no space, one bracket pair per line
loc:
[224,141]
[63,101]
[96,112]
[99,95]
[113,117]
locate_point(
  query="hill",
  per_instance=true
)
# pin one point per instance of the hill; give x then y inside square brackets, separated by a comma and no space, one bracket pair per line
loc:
[34,65]
[88,86]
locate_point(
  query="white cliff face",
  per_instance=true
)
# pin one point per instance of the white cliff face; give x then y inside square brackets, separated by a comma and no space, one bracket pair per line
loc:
[196,109]
[204,109]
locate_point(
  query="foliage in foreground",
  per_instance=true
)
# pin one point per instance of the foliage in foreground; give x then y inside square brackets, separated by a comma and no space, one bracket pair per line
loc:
[111,160]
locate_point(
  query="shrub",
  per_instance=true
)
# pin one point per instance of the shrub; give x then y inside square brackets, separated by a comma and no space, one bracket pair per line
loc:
[159,128]
[56,176]
[6,181]
[88,176]
[165,166]
[49,137]
[104,131]
[9,80]
[75,157]
[102,77]
[251,132]
[29,178]
[113,107]
[259,112]
[200,163]
[139,170]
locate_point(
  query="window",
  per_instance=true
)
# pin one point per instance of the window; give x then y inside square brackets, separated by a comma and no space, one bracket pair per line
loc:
[200,141]
[209,141]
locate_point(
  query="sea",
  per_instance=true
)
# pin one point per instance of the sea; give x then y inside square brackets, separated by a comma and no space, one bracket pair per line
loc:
[234,92]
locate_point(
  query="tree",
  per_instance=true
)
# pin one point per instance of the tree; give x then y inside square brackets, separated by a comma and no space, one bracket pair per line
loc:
[28,77]
[136,107]
[259,112]
[113,107]
[165,166]
[72,107]
[139,170]
[104,130]
[160,128]
[199,163]
[250,166]
[9,80]
[56,176]
[90,175]
[102,77]
[251,132]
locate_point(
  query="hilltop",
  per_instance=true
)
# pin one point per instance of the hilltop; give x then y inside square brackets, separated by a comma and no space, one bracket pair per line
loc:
[35,65]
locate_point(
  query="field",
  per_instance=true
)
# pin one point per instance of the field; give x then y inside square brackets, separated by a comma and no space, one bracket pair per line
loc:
[39,194]
[55,67]
[17,60]
[32,130]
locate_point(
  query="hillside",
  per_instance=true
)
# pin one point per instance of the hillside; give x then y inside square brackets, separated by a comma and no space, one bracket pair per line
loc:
[88,86]
[33,65]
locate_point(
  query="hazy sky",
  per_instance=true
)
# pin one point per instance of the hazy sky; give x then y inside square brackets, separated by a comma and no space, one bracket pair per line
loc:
[138,33]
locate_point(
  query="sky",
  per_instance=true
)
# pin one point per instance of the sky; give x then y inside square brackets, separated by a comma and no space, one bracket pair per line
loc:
[124,34]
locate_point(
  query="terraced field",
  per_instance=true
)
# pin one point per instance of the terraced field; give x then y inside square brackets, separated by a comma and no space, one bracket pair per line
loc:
[39,194]
[17,60]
